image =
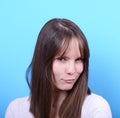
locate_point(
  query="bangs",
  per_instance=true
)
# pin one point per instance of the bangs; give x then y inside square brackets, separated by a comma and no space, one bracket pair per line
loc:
[64,46]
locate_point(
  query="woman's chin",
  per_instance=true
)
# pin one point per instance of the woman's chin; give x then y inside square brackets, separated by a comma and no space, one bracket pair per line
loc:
[67,88]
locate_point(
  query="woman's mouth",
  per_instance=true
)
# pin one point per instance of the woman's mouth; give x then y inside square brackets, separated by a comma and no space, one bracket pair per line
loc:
[69,81]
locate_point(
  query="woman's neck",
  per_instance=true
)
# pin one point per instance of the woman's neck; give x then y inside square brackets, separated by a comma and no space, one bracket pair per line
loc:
[58,98]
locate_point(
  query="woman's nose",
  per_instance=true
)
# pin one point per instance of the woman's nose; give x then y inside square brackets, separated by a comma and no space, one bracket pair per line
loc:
[70,67]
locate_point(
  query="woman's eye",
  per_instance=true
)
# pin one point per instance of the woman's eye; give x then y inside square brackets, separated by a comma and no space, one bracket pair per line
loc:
[79,59]
[61,59]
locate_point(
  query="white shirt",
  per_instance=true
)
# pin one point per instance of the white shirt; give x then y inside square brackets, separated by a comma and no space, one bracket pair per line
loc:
[94,106]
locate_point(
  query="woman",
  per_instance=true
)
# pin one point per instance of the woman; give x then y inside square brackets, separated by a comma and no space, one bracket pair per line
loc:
[59,77]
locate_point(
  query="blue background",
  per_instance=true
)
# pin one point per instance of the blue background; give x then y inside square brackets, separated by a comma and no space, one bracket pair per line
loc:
[20,23]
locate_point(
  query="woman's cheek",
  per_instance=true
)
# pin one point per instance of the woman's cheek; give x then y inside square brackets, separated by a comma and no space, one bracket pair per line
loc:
[80,68]
[57,67]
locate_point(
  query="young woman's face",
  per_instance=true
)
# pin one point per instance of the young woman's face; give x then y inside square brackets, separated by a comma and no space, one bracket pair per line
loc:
[67,69]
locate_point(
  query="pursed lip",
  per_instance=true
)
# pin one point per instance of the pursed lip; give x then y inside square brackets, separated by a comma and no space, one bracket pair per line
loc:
[69,80]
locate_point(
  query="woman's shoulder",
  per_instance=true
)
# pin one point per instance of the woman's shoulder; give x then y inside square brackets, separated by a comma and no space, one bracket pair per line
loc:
[19,102]
[95,106]
[19,107]
[95,99]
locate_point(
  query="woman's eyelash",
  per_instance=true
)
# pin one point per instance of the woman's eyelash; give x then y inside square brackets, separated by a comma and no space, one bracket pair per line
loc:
[79,59]
[61,58]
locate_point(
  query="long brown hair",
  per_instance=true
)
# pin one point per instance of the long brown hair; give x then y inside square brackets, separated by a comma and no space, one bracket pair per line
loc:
[49,44]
